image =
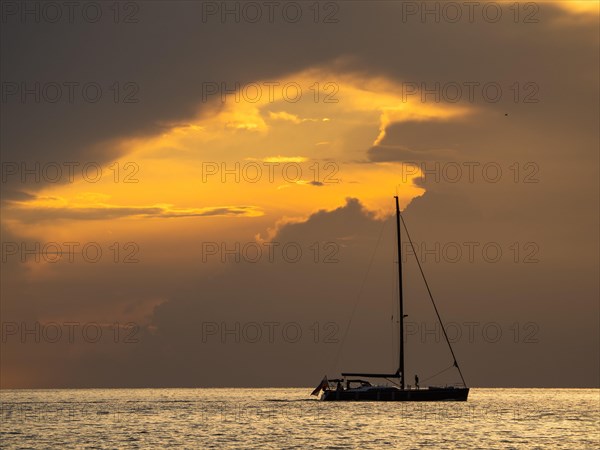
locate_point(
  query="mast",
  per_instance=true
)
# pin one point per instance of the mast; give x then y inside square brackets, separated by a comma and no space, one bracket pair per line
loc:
[400,300]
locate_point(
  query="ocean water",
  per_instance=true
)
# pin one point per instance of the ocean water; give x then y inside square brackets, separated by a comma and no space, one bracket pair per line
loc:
[290,418]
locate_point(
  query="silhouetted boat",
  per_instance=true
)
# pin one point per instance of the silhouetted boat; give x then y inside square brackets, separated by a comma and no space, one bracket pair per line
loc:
[350,388]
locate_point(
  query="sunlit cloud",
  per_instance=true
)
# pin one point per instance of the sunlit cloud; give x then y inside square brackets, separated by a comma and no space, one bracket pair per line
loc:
[282,115]
[581,6]
[281,159]
[61,209]
[284,159]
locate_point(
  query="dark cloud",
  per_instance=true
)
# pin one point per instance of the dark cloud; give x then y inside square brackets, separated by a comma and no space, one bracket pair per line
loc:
[169,67]
[199,332]
[11,195]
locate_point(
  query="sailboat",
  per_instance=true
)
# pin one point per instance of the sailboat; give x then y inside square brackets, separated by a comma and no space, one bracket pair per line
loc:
[353,386]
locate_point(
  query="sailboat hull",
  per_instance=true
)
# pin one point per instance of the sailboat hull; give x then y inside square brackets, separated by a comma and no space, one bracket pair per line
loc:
[392,394]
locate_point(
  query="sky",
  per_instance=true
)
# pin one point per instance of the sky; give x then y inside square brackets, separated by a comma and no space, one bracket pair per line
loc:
[201,193]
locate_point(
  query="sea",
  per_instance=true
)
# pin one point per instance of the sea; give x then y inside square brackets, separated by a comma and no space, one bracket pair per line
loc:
[290,418]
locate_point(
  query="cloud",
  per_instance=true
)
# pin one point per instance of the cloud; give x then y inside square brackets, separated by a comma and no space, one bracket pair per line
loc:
[110,212]
[308,293]
[282,159]
[71,131]
[12,195]
[389,153]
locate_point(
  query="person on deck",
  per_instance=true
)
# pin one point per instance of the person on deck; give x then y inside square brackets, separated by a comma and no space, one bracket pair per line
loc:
[417,381]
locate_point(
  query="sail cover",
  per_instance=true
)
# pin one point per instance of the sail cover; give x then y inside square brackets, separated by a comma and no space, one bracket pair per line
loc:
[324,384]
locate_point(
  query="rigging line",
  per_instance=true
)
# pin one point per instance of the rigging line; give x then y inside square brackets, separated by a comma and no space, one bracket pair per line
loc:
[392,381]
[432,301]
[439,373]
[359,295]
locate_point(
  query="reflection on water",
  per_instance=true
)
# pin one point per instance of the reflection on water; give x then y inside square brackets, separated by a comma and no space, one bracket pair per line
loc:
[276,418]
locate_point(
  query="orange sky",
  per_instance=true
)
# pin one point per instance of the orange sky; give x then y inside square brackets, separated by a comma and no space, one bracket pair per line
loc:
[291,144]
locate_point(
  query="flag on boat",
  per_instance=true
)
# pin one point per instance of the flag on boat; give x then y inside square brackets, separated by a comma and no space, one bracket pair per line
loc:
[324,384]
